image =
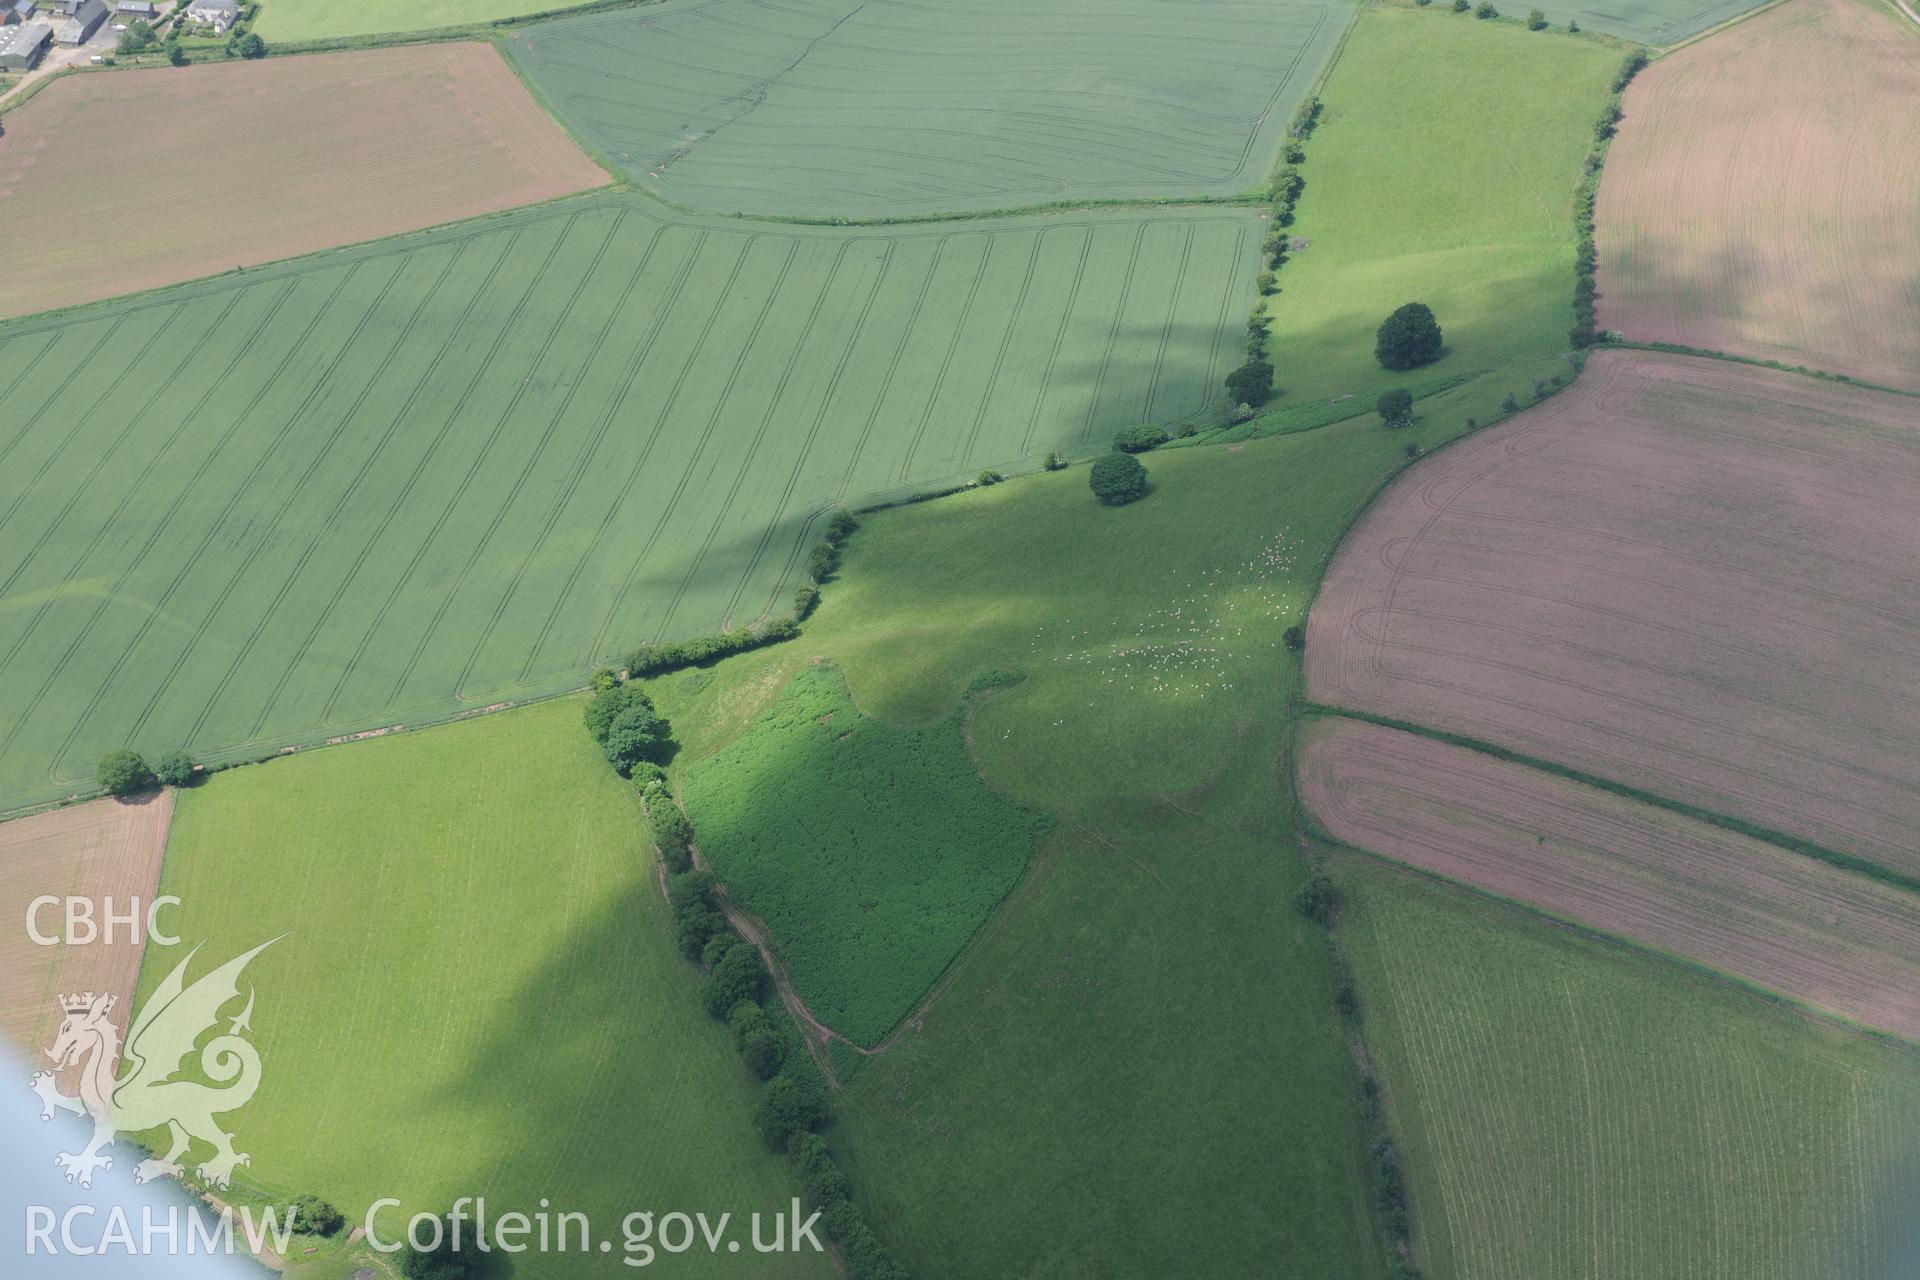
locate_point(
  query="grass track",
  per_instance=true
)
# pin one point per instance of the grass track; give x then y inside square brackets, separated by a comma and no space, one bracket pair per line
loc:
[396,482]
[478,983]
[1573,1109]
[882,108]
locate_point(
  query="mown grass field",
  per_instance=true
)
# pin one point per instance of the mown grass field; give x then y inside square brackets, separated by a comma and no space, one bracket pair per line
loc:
[478,993]
[308,145]
[1572,1109]
[839,108]
[1146,998]
[1443,171]
[433,474]
[872,852]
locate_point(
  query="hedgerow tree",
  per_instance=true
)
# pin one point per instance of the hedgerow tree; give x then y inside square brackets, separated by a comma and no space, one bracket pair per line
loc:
[1252,382]
[636,734]
[786,1109]
[1117,479]
[737,975]
[175,768]
[124,773]
[1395,407]
[315,1216]
[1408,338]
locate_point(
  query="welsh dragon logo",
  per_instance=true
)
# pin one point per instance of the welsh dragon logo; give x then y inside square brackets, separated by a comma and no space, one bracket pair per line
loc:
[146,1093]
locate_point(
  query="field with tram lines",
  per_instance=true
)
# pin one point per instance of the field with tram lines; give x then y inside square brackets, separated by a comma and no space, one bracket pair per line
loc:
[851,109]
[389,484]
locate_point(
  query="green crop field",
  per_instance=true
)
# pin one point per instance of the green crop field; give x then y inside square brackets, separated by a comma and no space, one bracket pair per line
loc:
[845,108]
[1572,1109]
[871,852]
[285,21]
[388,484]
[1443,171]
[1642,21]
[1146,999]
[478,990]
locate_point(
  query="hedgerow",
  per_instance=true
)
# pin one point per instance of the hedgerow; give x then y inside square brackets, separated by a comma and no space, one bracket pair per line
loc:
[1585,331]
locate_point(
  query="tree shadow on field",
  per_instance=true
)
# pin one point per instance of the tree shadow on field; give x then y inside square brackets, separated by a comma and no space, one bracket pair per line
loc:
[602,1088]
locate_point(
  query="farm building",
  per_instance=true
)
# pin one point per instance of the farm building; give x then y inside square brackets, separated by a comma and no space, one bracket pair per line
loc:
[86,19]
[22,45]
[218,14]
[134,9]
[17,10]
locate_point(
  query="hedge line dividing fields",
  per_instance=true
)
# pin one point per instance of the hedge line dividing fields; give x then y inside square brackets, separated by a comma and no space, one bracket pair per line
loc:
[852,109]
[389,484]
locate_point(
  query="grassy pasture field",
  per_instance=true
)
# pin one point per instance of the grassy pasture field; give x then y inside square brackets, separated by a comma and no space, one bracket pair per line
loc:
[478,983]
[287,21]
[308,158]
[99,850]
[389,484]
[1573,1109]
[839,108]
[1443,171]
[1689,576]
[1817,934]
[1763,195]
[872,853]
[1146,998]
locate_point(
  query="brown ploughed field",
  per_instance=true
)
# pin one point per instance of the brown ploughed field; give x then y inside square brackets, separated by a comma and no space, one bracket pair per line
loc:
[114,183]
[98,850]
[1822,936]
[1763,194]
[1697,578]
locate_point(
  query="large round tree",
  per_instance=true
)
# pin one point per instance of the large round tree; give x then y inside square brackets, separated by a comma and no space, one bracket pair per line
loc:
[1409,338]
[1118,478]
[124,773]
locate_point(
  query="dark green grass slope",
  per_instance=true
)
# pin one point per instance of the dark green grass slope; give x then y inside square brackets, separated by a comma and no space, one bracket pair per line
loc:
[1136,1069]
[389,484]
[871,852]
[883,108]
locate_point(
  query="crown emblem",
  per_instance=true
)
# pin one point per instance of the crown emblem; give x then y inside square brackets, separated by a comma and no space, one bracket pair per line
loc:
[83,1002]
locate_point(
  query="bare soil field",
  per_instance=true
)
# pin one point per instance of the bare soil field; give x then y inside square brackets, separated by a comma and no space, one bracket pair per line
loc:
[242,163]
[1763,194]
[96,850]
[1694,577]
[1825,937]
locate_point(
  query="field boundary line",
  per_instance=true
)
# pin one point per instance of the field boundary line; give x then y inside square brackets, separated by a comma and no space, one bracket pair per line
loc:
[1636,948]
[1739,826]
[1708,353]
